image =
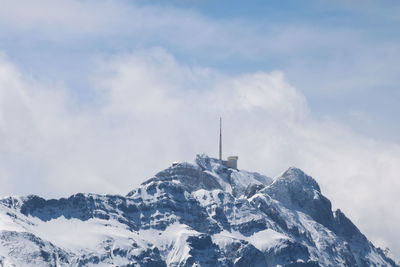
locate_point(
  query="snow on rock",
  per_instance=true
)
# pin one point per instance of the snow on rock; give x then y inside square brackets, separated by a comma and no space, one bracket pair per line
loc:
[261,240]
[190,214]
[298,191]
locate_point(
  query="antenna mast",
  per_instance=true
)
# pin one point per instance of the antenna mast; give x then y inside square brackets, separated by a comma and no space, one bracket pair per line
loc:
[220,138]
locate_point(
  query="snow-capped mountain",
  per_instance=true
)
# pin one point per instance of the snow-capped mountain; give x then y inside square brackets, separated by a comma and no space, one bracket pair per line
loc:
[200,214]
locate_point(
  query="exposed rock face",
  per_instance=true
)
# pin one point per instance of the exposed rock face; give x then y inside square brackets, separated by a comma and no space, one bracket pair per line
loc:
[201,214]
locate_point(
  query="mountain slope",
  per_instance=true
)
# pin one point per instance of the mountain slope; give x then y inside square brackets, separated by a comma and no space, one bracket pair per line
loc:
[201,214]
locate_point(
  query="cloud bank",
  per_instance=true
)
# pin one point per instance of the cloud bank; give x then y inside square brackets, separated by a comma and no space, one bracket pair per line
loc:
[352,48]
[148,110]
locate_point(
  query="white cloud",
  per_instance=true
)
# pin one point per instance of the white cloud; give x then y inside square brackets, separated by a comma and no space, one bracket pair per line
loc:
[151,110]
[67,20]
[82,16]
[127,23]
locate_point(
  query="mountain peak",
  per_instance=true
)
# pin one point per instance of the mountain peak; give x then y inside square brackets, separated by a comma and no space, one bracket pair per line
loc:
[296,177]
[297,190]
[209,174]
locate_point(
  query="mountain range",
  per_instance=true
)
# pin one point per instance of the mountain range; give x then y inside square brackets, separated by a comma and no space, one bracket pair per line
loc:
[190,214]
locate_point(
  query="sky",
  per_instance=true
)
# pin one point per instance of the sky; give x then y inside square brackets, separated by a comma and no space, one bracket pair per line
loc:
[98,96]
